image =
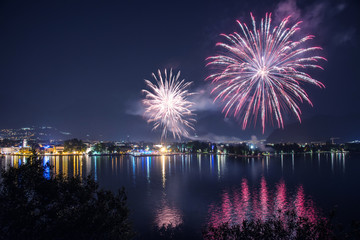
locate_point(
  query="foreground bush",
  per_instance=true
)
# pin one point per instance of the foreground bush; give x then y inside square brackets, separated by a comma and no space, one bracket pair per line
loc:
[287,227]
[35,207]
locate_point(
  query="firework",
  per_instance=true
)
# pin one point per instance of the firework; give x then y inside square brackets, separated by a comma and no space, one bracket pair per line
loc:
[167,104]
[259,72]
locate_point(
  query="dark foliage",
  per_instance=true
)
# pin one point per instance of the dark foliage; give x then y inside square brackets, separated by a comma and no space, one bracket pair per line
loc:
[328,146]
[74,145]
[240,149]
[8,142]
[168,232]
[290,227]
[109,148]
[100,148]
[36,207]
[352,147]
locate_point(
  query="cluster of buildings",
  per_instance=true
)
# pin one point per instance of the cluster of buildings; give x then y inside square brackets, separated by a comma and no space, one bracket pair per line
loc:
[24,148]
[76,147]
[20,149]
[50,141]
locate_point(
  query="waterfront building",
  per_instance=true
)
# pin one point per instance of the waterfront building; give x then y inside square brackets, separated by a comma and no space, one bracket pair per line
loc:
[9,150]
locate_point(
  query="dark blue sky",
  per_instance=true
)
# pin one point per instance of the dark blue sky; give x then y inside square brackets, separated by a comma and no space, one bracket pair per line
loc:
[80,65]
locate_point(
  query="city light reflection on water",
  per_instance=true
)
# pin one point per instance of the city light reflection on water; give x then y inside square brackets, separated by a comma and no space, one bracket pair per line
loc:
[194,190]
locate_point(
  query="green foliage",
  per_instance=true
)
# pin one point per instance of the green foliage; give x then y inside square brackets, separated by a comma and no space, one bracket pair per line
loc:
[74,145]
[99,148]
[198,147]
[108,148]
[111,148]
[35,207]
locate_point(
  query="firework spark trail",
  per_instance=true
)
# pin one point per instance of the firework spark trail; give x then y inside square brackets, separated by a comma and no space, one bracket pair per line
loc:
[167,104]
[260,71]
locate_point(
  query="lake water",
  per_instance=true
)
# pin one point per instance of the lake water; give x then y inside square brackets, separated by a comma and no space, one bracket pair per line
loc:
[191,191]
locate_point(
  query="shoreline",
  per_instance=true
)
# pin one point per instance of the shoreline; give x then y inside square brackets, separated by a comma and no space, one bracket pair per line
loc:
[174,154]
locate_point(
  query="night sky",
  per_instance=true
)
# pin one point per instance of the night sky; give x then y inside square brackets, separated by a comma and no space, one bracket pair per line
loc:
[80,66]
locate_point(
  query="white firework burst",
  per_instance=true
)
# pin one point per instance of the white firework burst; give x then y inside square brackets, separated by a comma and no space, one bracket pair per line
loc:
[167,104]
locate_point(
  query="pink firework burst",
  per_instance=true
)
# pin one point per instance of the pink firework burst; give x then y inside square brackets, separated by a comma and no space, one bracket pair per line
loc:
[259,71]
